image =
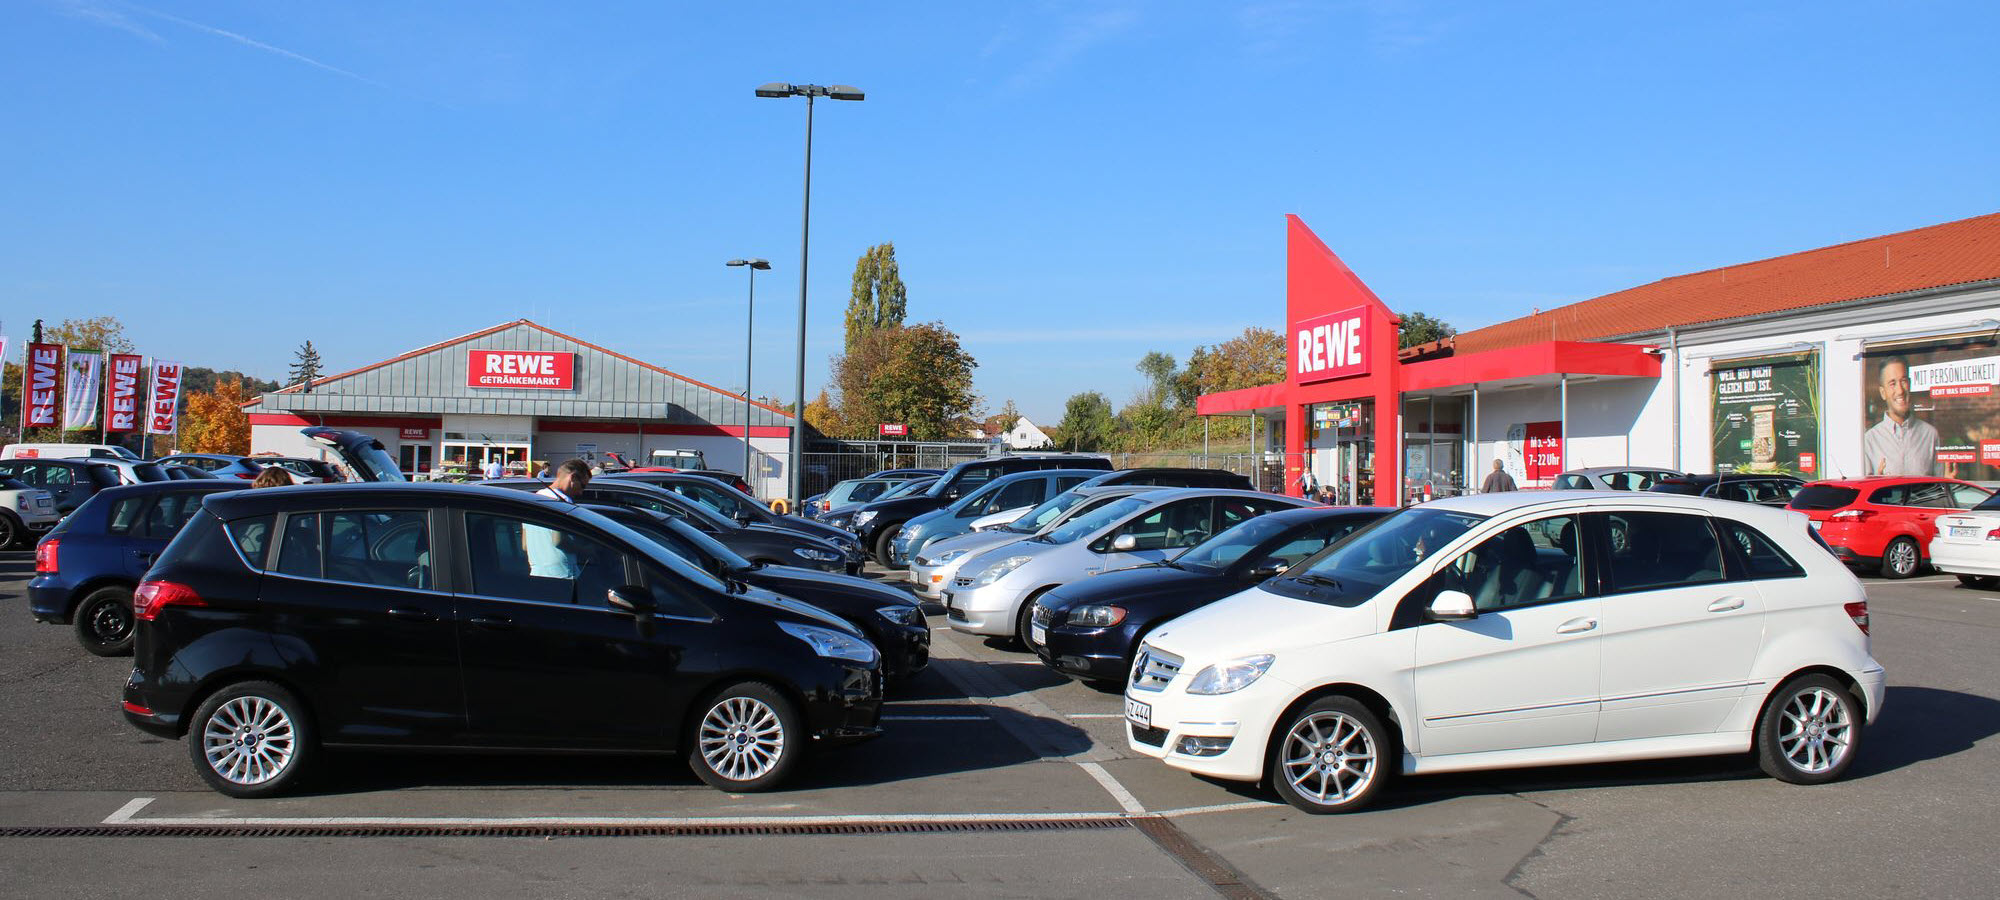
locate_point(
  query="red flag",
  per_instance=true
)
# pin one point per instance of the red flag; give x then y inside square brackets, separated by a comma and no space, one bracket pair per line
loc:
[44,383]
[121,404]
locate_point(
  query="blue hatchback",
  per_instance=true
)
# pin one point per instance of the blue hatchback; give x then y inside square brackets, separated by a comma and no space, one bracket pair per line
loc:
[87,568]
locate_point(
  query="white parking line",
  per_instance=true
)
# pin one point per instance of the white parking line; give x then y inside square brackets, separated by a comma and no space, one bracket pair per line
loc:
[124,817]
[126,812]
[1111,786]
[1221,807]
[935,719]
[1097,715]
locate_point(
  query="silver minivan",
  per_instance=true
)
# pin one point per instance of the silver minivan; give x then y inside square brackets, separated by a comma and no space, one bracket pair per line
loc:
[934,567]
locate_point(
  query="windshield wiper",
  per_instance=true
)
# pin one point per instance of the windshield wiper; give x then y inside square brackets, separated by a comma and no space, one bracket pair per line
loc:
[1317,581]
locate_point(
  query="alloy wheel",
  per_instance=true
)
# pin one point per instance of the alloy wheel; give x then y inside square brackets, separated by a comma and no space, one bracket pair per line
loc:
[1814,732]
[742,739]
[1329,757]
[1902,558]
[249,740]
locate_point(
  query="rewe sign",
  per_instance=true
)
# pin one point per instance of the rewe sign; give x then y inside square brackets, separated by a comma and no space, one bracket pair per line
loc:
[164,400]
[44,370]
[1334,345]
[121,406]
[536,369]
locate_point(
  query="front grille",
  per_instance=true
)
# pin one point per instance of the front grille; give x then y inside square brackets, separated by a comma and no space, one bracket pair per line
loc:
[1154,669]
[962,581]
[1151,737]
[1044,616]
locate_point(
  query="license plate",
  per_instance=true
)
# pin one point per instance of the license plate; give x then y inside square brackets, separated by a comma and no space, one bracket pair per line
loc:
[947,599]
[1140,714]
[1037,633]
[1958,531]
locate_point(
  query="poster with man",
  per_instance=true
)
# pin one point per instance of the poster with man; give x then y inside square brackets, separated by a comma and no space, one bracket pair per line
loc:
[1933,409]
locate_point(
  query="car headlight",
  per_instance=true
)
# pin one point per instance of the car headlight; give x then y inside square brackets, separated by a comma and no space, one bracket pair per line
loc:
[944,557]
[816,554]
[902,615]
[1232,676]
[1096,616]
[832,644]
[864,517]
[909,532]
[999,570]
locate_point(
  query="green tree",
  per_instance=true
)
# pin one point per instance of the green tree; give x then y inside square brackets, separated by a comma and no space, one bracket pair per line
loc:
[878,300]
[917,375]
[1004,419]
[104,333]
[306,370]
[1420,328]
[1087,422]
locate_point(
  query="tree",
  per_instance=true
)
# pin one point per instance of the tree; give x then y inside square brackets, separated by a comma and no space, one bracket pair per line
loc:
[1252,359]
[104,333]
[879,300]
[214,421]
[1087,422]
[1419,328]
[306,370]
[918,375]
[821,416]
[1003,420]
[1159,369]
[195,379]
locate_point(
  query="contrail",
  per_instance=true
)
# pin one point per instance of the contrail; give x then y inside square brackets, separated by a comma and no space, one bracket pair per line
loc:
[260,45]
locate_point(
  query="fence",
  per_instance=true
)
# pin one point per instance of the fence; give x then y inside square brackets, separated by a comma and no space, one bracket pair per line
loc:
[824,470]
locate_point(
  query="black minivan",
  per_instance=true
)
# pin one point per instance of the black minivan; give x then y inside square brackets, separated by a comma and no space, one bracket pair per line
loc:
[422,616]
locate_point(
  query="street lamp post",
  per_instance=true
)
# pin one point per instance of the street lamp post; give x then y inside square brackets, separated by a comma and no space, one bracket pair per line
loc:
[810,92]
[749,325]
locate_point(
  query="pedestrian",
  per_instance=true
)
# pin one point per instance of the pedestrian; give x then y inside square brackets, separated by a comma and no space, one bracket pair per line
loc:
[1498,481]
[494,468]
[551,553]
[272,476]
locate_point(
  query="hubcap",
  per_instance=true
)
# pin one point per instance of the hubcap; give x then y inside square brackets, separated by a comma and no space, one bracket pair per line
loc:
[1903,557]
[741,739]
[249,741]
[1813,730]
[1329,757]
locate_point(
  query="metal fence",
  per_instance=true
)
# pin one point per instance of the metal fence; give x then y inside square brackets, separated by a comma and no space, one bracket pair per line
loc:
[825,469]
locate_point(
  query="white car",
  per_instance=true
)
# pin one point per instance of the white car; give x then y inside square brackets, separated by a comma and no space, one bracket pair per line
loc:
[1520,629]
[1967,544]
[26,513]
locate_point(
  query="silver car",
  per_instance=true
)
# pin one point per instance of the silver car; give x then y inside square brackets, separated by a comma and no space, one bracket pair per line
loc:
[936,564]
[1613,478]
[994,590]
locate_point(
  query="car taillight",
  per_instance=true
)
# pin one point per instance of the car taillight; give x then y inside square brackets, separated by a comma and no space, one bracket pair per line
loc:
[246,476]
[45,555]
[1858,611]
[1993,535]
[153,596]
[1853,515]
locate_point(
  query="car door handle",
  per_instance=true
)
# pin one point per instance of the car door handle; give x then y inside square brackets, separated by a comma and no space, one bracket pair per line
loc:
[1576,626]
[1726,604]
[411,614]
[495,622]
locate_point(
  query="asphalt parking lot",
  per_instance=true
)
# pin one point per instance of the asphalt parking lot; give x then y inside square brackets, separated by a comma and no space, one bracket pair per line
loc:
[997,778]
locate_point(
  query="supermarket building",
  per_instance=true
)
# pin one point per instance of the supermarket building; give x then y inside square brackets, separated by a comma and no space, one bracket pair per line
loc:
[522,392]
[1880,356]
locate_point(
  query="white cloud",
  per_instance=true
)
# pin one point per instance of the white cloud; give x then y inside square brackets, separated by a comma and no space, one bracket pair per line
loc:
[91,11]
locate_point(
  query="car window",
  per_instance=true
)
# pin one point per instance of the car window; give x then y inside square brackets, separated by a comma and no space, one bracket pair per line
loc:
[53,476]
[1634,481]
[1065,482]
[1090,520]
[1313,540]
[169,514]
[1233,511]
[390,548]
[125,514]
[1965,496]
[1893,495]
[517,559]
[1571,483]
[1824,496]
[1733,490]
[1655,551]
[1535,562]
[252,537]
[1756,556]
[1175,525]
[298,547]
[973,478]
[866,490]
[1932,495]
[1026,492]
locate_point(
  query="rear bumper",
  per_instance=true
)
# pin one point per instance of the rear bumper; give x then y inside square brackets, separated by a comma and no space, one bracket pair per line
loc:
[49,602]
[1966,559]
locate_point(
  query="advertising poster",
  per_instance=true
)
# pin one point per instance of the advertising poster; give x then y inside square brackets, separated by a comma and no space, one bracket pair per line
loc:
[1766,414]
[1933,408]
[81,369]
[44,378]
[1544,446]
[163,401]
[121,403]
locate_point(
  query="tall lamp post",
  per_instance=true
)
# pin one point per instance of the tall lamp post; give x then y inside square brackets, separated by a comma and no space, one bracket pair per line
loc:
[810,92]
[749,324]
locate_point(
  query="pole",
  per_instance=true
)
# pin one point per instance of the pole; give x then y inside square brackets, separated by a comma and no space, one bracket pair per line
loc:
[798,449]
[749,325]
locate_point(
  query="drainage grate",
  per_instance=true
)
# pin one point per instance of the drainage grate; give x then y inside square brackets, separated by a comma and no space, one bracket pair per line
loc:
[1196,859]
[143,830]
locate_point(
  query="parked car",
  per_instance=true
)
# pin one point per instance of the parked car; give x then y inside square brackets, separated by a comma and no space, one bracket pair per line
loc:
[68,451]
[934,568]
[304,470]
[893,622]
[843,517]
[1091,629]
[680,459]
[185,473]
[1613,478]
[134,472]
[848,493]
[745,510]
[87,568]
[1519,629]
[26,513]
[726,477]
[757,543]
[1020,492]
[221,465]
[1883,524]
[877,523]
[69,482]
[1769,490]
[282,623]
[994,593]
[1968,544]
[1165,476]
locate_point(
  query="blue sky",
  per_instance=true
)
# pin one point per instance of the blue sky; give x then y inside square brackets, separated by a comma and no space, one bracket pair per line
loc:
[1068,184]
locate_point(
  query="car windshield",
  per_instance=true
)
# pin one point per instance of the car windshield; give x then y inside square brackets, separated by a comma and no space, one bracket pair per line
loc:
[1039,518]
[1092,521]
[918,486]
[125,454]
[1217,553]
[375,462]
[727,501]
[1363,564]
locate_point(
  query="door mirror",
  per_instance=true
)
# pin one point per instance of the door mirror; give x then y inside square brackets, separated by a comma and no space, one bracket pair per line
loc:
[1452,606]
[742,518]
[1125,543]
[632,599]
[1270,568]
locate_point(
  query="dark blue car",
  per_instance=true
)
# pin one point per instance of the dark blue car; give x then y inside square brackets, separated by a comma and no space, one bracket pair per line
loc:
[86,569]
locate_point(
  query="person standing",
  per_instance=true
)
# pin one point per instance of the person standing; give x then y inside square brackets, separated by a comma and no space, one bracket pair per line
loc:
[493,468]
[549,553]
[1498,481]
[1900,444]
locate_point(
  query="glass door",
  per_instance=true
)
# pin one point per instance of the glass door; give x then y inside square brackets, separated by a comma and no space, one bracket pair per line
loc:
[416,461]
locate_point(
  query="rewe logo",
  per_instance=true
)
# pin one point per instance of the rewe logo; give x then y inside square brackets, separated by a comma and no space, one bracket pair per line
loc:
[521,364]
[521,369]
[1330,346]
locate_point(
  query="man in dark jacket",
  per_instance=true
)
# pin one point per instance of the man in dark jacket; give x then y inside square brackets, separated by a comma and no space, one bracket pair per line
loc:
[1498,481]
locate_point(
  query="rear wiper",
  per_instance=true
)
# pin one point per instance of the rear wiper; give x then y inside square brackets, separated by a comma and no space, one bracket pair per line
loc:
[1318,581]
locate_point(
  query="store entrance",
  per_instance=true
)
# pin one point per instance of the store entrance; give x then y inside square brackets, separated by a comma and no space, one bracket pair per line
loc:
[416,460]
[467,459]
[1341,452]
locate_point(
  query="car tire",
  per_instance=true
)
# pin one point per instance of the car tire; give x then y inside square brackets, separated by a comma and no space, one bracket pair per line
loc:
[1809,730]
[252,739]
[1980,582]
[10,531]
[746,738]
[1331,756]
[883,539]
[104,622]
[1901,558]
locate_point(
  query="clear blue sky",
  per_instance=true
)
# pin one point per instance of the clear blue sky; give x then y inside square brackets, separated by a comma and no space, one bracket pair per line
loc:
[1068,184]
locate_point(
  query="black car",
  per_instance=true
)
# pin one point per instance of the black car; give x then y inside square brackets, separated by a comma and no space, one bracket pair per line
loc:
[1765,490]
[877,523]
[1089,629]
[739,506]
[1164,476]
[69,482]
[892,619]
[283,622]
[86,569]
[757,543]
[179,472]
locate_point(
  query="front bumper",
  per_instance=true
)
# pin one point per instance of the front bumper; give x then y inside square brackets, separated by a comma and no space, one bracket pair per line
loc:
[1245,719]
[1092,654]
[987,609]
[905,648]
[847,712]
[932,581]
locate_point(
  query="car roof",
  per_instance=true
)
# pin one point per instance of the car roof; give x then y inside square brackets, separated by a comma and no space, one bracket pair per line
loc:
[229,456]
[1169,494]
[1509,501]
[1607,470]
[72,461]
[259,501]
[1732,476]
[1887,480]
[202,485]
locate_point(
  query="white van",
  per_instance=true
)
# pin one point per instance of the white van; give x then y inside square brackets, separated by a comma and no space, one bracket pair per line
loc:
[67,451]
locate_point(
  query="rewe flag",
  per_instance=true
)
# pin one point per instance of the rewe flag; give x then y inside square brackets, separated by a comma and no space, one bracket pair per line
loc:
[163,402]
[121,404]
[80,371]
[44,383]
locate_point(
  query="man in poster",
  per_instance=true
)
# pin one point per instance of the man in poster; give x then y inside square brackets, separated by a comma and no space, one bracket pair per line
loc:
[1900,444]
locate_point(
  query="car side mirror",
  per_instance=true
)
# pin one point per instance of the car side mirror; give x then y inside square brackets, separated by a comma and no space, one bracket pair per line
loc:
[1270,568]
[742,518]
[632,599]
[1125,543]
[1452,606]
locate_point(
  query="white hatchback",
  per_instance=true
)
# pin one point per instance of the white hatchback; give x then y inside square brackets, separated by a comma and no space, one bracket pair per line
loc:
[1520,629]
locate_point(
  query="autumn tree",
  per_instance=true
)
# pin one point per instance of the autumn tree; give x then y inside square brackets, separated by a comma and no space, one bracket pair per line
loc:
[878,300]
[1087,422]
[1420,328]
[214,421]
[104,333]
[1003,420]
[917,375]
[821,416]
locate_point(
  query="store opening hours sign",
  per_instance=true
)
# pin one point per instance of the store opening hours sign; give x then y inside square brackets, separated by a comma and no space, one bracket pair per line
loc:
[533,369]
[1543,451]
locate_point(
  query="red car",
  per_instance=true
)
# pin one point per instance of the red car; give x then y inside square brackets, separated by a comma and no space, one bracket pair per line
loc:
[1883,523]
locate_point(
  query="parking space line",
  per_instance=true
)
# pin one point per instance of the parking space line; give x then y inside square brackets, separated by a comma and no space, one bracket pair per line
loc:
[126,812]
[606,821]
[1097,715]
[936,718]
[1111,786]
[1220,807]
